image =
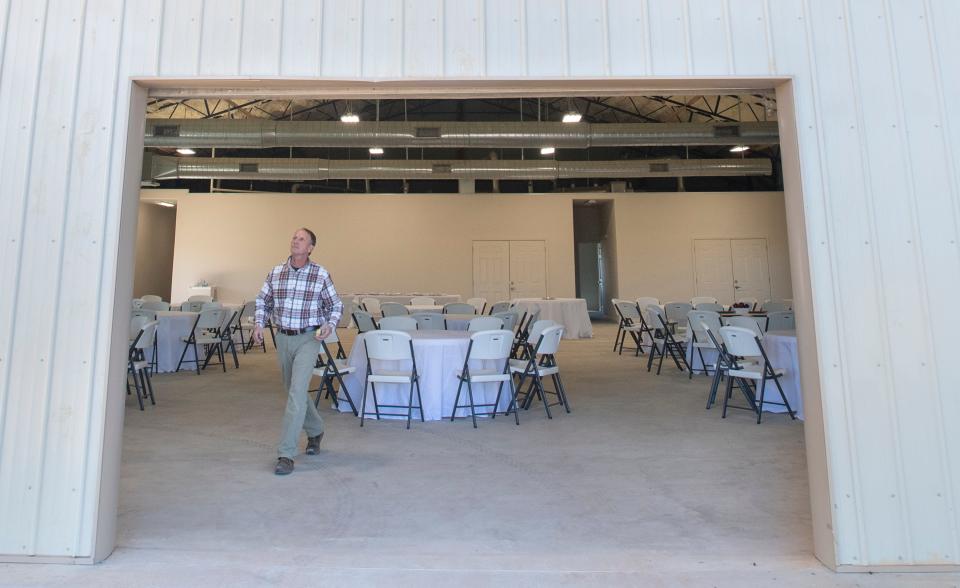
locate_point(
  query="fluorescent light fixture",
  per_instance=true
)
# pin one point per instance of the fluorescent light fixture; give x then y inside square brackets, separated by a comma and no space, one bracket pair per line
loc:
[572,117]
[547,151]
[186,151]
[739,148]
[349,117]
[376,151]
[167,204]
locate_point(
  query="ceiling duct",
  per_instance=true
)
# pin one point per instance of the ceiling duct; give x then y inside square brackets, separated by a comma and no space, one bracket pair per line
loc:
[261,134]
[229,168]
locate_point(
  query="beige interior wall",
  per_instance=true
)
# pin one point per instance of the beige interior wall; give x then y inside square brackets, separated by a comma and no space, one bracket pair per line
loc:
[409,243]
[156,231]
[655,234]
[424,243]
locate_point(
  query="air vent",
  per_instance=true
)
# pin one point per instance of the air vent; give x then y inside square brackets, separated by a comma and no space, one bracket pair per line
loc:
[166,130]
[726,131]
[660,167]
[249,168]
[441,168]
[428,132]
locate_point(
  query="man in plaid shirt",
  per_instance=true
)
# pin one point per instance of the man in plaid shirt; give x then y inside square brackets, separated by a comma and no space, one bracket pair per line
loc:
[299,299]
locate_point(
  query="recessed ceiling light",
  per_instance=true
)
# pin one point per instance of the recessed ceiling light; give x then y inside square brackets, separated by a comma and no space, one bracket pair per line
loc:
[547,150]
[186,151]
[572,117]
[376,151]
[167,204]
[349,117]
[739,148]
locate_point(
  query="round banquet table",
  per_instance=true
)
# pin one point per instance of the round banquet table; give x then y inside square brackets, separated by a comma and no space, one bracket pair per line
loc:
[438,299]
[439,355]
[171,326]
[569,312]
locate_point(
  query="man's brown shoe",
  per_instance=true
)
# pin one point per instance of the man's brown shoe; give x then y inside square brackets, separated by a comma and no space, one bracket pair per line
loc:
[313,444]
[284,466]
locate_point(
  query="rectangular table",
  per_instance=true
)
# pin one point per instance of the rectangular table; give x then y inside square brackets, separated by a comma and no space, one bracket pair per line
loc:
[439,355]
[569,312]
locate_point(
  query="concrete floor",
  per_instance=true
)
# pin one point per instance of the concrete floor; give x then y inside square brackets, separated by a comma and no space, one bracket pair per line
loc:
[638,486]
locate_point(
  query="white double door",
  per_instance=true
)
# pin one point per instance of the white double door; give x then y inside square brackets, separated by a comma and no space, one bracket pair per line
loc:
[732,269]
[503,270]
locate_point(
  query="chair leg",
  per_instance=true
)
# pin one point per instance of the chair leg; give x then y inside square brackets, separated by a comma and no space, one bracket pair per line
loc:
[513,393]
[136,385]
[376,403]
[561,391]
[196,357]
[410,404]
[473,408]
[726,396]
[712,397]
[346,391]
[146,374]
[793,415]
[456,400]
[419,399]
[763,389]
[363,401]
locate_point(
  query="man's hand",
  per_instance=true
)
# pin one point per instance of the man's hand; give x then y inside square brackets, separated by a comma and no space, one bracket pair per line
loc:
[324,331]
[258,334]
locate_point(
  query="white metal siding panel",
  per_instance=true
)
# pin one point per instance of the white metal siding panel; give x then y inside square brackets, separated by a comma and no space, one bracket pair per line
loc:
[880,181]
[383,39]
[220,41]
[588,44]
[180,37]
[463,42]
[342,37]
[300,52]
[712,49]
[423,48]
[506,43]
[260,42]
[748,37]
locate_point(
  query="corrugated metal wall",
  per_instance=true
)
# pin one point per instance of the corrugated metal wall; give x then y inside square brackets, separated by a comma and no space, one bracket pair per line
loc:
[879,174]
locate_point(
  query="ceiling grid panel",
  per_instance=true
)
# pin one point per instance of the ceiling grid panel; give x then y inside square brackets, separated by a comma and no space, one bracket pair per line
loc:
[423,38]
[943,41]
[709,38]
[180,39]
[382,39]
[628,38]
[792,52]
[504,38]
[81,247]
[749,52]
[300,40]
[587,43]
[30,359]
[934,209]
[260,46]
[546,45]
[886,208]
[463,42]
[220,38]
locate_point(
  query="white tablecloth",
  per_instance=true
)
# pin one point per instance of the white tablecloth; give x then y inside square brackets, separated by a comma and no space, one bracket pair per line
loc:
[781,348]
[439,299]
[439,354]
[412,308]
[569,312]
[171,326]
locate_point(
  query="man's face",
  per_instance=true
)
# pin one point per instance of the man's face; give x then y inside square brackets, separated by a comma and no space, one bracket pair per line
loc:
[300,243]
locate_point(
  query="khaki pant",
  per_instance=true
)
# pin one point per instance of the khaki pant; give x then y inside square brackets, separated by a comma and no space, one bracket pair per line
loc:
[297,355]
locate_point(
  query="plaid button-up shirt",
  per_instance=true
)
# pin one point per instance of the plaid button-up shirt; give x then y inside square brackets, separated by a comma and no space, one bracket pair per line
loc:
[298,298]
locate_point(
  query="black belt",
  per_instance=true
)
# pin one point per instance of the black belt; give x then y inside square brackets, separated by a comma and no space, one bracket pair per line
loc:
[292,332]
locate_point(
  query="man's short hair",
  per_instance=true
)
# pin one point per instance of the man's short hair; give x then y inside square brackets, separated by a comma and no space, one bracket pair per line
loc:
[313,238]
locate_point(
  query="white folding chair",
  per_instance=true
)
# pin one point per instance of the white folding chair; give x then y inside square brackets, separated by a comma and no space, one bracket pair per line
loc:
[665,340]
[432,321]
[192,305]
[676,313]
[246,321]
[423,301]
[137,363]
[398,323]
[364,321]
[486,345]
[702,300]
[540,363]
[509,318]
[371,305]
[783,320]
[155,305]
[393,346]
[742,342]
[480,304]
[209,305]
[459,308]
[632,323]
[523,331]
[746,322]
[645,301]
[699,321]
[349,307]
[711,306]
[499,307]
[393,309]
[485,323]
[333,366]
[206,332]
